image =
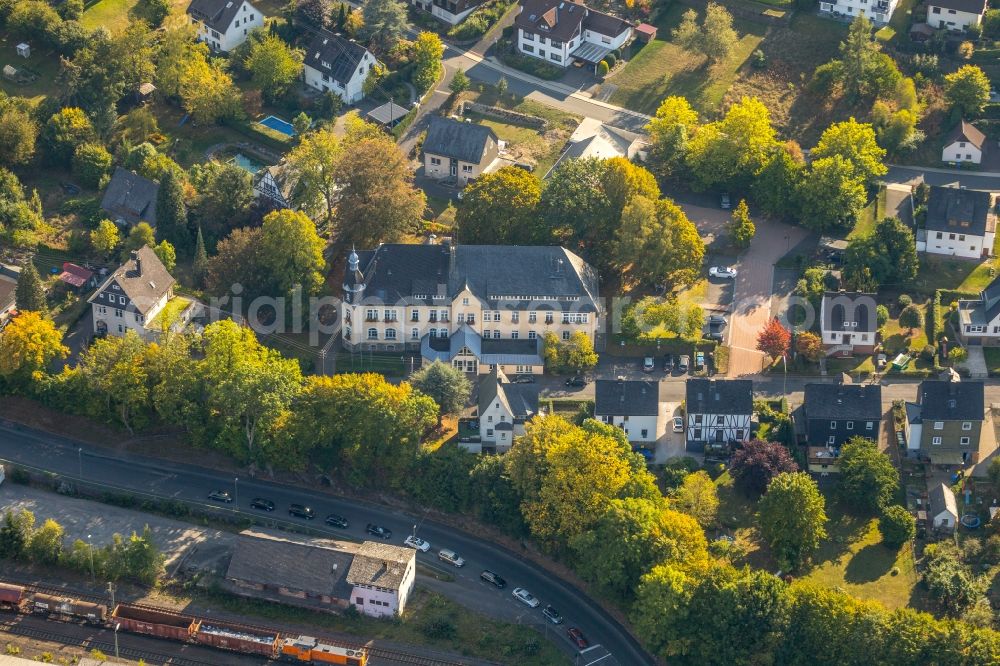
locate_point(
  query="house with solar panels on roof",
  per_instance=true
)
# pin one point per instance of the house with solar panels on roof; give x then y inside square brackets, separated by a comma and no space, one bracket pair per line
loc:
[561,32]
[475,307]
[224,24]
[336,64]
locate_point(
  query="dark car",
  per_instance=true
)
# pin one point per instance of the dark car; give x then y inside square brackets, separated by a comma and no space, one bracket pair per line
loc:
[724,201]
[713,333]
[717,319]
[220,496]
[523,379]
[262,504]
[577,637]
[552,615]
[578,381]
[336,521]
[668,363]
[493,579]
[379,531]
[301,511]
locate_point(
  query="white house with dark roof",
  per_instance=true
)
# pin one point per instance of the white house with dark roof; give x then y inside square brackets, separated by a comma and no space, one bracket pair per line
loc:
[451,12]
[955,15]
[130,198]
[8,287]
[274,185]
[719,412]
[338,65]
[943,509]
[561,32]
[635,406]
[463,151]
[848,323]
[473,306]
[979,318]
[592,138]
[960,223]
[503,409]
[877,11]
[382,576]
[965,143]
[224,24]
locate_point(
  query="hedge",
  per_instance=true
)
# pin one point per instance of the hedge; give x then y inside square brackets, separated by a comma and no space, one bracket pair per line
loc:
[936,321]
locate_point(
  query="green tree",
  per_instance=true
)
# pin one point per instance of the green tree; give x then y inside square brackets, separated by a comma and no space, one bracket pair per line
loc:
[718,39]
[897,526]
[888,255]
[776,188]
[868,479]
[157,11]
[91,163]
[792,518]
[273,66]
[687,33]
[731,151]
[63,132]
[28,345]
[115,368]
[291,253]
[447,385]
[658,243]
[171,211]
[855,142]
[741,227]
[698,498]
[911,318]
[45,545]
[459,82]
[199,266]
[29,295]
[18,132]
[104,239]
[141,235]
[831,194]
[500,208]
[178,50]
[301,123]
[167,255]
[669,130]
[313,165]
[384,23]
[207,91]
[950,583]
[859,54]
[427,53]
[810,345]
[15,533]
[578,352]
[225,195]
[967,90]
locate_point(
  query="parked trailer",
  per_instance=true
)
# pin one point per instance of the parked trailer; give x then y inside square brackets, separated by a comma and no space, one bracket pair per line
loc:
[163,624]
[47,604]
[239,638]
[11,596]
[308,649]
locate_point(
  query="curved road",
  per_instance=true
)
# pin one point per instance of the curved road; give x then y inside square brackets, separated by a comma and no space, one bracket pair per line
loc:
[187,482]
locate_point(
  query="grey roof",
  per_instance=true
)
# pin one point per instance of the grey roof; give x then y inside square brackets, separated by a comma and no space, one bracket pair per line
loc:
[314,566]
[942,499]
[951,400]
[217,14]
[850,307]
[521,400]
[334,55]
[983,310]
[970,6]
[144,287]
[614,397]
[388,114]
[8,285]
[590,52]
[505,351]
[837,401]
[552,18]
[719,396]
[502,276]
[955,210]
[966,131]
[466,142]
[380,564]
[131,197]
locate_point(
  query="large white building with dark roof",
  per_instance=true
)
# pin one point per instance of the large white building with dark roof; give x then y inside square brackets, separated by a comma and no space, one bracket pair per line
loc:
[133,296]
[634,406]
[224,24]
[960,223]
[561,32]
[473,306]
[338,65]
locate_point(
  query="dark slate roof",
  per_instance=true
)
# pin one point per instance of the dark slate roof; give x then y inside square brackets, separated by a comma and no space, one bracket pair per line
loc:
[380,564]
[520,399]
[966,131]
[605,24]
[990,297]
[851,307]
[144,287]
[501,275]
[8,285]
[314,566]
[970,6]
[960,211]
[719,396]
[388,113]
[504,351]
[614,397]
[839,401]
[131,197]
[941,499]
[552,18]
[216,14]
[462,141]
[334,55]
[942,400]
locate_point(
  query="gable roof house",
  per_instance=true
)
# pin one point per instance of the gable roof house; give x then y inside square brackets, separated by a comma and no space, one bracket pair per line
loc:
[562,31]
[634,406]
[945,426]
[130,198]
[964,143]
[877,11]
[960,223]
[834,414]
[8,287]
[955,15]
[224,24]
[592,138]
[383,577]
[719,412]
[504,408]
[451,12]
[338,65]
[463,151]
[274,185]
[848,323]
[943,507]
[979,318]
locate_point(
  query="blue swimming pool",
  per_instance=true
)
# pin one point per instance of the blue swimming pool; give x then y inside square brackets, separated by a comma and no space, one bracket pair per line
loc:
[247,163]
[278,125]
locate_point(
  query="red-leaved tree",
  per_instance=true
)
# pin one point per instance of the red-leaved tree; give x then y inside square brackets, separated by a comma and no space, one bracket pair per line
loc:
[753,466]
[774,340]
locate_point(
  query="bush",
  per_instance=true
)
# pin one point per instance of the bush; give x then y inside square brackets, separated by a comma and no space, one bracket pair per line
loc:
[904,300]
[611,60]
[533,66]
[927,353]
[603,68]
[91,162]
[758,59]
[897,526]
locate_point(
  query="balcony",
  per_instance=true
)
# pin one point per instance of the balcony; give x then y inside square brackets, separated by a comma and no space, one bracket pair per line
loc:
[432,319]
[389,318]
[371,318]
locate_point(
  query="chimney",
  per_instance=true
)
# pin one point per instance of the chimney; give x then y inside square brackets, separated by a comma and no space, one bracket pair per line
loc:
[138,262]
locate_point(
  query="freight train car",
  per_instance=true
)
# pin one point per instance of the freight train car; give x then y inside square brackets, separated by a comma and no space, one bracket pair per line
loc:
[161,623]
[306,649]
[11,596]
[238,638]
[65,607]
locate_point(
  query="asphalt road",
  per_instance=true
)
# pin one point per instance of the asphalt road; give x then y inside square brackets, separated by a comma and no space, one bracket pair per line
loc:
[931,176]
[188,482]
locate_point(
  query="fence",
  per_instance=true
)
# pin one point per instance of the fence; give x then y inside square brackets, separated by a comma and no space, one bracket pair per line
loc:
[503,114]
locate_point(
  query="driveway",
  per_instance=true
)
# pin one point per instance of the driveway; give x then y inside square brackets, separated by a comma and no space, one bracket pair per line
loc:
[976,362]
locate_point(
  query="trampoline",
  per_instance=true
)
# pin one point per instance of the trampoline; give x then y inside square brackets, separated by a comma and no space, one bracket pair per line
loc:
[970,520]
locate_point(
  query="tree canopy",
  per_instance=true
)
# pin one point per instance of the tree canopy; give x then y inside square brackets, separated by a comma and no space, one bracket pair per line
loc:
[868,479]
[757,463]
[792,518]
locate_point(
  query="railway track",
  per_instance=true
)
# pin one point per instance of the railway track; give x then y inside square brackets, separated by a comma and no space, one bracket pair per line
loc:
[380,653]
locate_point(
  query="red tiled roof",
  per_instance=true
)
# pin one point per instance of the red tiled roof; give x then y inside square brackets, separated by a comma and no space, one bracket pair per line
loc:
[75,275]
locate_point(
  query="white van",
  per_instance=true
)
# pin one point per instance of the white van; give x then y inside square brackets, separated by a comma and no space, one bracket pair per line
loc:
[451,557]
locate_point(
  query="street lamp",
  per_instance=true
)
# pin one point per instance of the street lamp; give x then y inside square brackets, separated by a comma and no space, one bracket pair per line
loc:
[236,489]
[79,457]
[90,547]
[117,625]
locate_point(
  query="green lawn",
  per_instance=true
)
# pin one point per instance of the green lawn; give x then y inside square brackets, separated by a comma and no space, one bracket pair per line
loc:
[871,214]
[962,275]
[663,68]
[43,63]
[992,360]
[115,14]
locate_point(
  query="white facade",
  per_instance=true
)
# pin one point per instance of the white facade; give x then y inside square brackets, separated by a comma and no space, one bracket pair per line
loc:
[350,91]
[377,601]
[718,428]
[961,151]
[954,244]
[497,427]
[451,13]
[246,19]
[877,11]
[951,19]
[114,314]
[645,428]
[557,52]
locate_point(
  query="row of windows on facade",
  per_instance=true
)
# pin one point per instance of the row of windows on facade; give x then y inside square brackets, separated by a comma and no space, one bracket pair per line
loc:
[977,328]
[118,313]
[111,298]
[869,425]
[392,334]
[555,57]
[964,441]
[466,168]
[738,435]
[375,602]
[470,318]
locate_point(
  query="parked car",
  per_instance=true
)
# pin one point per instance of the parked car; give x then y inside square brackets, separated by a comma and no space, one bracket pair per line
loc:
[714,332]
[417,543]
[335,520]
[577,637]
[451,557]
[668,363]
[523,379]
[525,597]
[493,578]
[577,381]
[717,319]
[648,364]
[678,424]
[220,496]
[699,360]
[724,272]
[646,454]
[684,363]
[552,614]
[379,531]
[724,201]
[262,504]
[301,511]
